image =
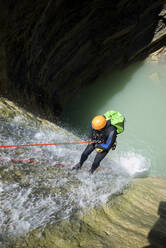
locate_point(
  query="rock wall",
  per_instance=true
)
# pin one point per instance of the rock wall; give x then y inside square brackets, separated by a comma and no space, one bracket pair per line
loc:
[50,49]
[137,218]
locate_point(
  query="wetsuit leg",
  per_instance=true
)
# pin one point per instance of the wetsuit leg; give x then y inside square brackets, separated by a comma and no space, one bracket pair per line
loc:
[86,153]
[99,157]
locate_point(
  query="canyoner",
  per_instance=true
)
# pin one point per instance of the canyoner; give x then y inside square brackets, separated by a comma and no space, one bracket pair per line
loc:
[103,133]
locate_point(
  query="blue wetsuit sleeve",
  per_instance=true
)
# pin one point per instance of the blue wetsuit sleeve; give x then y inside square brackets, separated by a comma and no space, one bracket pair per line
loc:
[111,139]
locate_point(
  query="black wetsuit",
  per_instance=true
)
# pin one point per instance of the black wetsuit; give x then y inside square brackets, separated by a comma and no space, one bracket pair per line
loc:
[104,140]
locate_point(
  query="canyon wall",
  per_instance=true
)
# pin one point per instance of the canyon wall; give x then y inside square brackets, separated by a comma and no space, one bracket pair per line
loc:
[51,49]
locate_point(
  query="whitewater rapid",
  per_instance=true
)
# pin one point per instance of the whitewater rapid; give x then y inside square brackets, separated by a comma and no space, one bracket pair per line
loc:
[33,195]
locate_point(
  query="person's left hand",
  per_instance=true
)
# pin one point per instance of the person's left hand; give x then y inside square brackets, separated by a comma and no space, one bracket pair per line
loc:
[99,142]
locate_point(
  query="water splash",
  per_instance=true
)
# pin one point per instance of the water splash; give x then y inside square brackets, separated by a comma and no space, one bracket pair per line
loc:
[134,164]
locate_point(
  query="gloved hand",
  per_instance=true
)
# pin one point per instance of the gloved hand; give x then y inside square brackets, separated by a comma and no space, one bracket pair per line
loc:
[97,141]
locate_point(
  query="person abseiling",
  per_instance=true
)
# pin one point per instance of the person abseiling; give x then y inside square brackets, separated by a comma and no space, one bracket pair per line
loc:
[103,136]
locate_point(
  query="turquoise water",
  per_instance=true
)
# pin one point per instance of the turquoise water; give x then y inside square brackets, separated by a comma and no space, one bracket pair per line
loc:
[138,92]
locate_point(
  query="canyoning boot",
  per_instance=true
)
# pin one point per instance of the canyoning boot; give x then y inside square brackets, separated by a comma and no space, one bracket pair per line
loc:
[77,166]
[91,171]
[113,147]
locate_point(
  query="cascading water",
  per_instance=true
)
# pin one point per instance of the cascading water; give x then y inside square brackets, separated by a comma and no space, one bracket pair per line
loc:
[33,195]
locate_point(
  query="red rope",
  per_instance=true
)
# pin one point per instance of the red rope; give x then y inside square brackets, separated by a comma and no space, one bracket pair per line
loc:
[36,162]
[53,144]
[15,160]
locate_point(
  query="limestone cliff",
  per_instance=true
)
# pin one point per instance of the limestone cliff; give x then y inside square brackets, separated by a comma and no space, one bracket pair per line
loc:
[50,49]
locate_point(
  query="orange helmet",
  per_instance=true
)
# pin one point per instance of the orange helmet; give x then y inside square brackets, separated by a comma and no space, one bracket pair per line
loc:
[99,122]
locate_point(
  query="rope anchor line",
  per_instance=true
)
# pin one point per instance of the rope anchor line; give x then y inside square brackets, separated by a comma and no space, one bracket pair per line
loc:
[37,163]
[52,144]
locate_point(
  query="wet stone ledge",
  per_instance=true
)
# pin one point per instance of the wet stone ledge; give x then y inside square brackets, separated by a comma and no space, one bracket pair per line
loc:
[136,218]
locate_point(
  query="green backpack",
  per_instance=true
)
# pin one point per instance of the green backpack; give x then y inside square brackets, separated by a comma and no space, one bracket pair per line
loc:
[117,120]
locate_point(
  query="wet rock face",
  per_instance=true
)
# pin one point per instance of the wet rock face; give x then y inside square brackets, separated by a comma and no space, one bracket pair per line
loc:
[136,218]
[53,48]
